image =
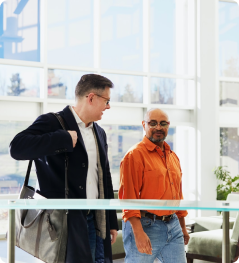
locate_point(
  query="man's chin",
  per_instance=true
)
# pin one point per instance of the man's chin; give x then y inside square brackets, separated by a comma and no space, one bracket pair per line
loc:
[157,139]
[99,118]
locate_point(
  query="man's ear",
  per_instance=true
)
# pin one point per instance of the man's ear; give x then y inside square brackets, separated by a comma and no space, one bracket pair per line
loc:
[90,97]
[143,124]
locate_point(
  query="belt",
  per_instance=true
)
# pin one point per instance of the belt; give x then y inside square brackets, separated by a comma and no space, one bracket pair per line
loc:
[155,217]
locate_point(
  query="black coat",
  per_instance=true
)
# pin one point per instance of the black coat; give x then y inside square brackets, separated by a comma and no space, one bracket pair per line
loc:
[46,142]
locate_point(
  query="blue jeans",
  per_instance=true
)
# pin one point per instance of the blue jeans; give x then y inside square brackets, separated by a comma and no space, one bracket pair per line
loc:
[96,243]
[166,239]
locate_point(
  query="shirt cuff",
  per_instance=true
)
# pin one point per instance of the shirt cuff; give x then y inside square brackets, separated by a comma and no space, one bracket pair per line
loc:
[181,213]
[130,213]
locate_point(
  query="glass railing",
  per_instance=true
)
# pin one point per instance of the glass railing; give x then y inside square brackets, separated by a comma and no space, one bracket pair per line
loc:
[110,204]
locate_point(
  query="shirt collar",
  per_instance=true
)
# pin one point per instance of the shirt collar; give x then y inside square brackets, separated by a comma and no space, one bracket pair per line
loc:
[78,119]
[151,146]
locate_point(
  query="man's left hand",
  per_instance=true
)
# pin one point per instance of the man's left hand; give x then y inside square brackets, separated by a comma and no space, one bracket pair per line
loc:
[113,234]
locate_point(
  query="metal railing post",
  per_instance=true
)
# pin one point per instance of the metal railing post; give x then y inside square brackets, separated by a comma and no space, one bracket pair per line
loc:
[11,237]
[226,253]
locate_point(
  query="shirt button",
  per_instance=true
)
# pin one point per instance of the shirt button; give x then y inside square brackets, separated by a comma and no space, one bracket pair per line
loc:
[172,183]
[80,187]
[157,147]
[168,168]
[83,164]
[174,197]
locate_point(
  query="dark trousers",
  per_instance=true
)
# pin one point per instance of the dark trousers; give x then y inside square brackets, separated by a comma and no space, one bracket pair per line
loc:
[96,243]
[78,248]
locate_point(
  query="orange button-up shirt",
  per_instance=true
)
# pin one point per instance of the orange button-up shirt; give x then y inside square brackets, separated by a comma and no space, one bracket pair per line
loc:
[147,173]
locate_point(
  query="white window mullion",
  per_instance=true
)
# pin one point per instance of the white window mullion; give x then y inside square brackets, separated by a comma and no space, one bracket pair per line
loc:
[146,51]
[97,41]
[44,87]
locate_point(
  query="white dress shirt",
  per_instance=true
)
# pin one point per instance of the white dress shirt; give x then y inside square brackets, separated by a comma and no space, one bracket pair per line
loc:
[92,191]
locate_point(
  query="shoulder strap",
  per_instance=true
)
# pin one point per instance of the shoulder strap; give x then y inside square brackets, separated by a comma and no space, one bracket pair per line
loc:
[58,116]
[61,121]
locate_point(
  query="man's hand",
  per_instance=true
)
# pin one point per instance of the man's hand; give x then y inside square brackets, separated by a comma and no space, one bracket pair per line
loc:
[73,135]
[113,234]
[143,242]
[185,236]
[185,232]
[141,238]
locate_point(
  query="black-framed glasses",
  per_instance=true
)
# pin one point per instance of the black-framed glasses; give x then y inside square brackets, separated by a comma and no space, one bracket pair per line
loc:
[154,124]
[107,99]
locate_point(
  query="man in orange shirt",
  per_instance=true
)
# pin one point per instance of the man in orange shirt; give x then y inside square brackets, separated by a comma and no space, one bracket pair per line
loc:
[150,170]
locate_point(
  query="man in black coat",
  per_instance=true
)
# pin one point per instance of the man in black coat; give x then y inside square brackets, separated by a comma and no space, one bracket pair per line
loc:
[89,176]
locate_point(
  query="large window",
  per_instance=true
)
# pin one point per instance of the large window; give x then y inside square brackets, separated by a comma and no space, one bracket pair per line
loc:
[70,32]
[19,81]
[20,30]
[229,39]
[12,172]
[229,85]
[62,83]
[229,149]
[171,36]
[121,23]
[147,48]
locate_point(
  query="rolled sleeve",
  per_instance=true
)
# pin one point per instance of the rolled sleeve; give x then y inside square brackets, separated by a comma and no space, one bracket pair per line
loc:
[182,213]
[130,183]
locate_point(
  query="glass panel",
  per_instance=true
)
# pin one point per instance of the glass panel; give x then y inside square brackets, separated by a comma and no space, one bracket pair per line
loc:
[229,94]
[185,148]
[62,83]
[172,91]
[20,30]
[229,149]
[172,36]
[120,139]
[12,172]
[170,140]
[228,39]
[126,88]
[19,81]
[107,204]
[122,34]
[70,32]
[3,221]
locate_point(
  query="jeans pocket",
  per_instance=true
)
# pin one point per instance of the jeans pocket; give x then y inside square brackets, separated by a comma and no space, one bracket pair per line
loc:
[146,222]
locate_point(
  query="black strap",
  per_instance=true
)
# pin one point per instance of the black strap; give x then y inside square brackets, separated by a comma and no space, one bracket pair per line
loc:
[58,116]
[61,121]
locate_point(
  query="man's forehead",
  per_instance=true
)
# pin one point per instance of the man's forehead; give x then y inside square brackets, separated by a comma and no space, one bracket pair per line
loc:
[157,114]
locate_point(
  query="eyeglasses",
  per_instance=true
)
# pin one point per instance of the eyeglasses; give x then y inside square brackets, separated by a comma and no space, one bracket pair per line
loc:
[154,124]
[107,99]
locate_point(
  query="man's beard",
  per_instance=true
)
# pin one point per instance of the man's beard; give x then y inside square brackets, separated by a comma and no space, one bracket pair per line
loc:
[157,140]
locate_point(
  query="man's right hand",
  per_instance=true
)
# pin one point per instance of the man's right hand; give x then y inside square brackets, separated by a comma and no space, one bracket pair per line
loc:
[143,242]
[141,238]
[73,135]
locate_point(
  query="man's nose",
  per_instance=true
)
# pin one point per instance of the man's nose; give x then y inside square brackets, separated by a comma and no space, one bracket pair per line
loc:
[158,126]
